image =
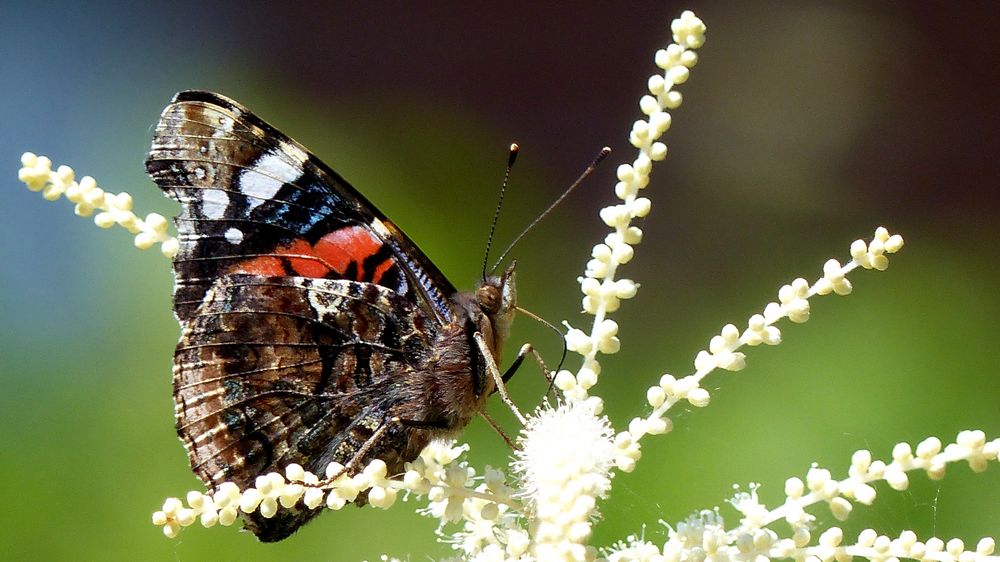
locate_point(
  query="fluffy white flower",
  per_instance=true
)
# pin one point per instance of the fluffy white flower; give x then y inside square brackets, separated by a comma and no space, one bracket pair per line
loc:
[564,465]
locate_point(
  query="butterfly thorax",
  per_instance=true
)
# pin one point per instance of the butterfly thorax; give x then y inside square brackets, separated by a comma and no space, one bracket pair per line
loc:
[455,378]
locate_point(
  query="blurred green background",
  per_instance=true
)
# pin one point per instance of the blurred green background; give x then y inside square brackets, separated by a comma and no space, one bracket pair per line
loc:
[805,125]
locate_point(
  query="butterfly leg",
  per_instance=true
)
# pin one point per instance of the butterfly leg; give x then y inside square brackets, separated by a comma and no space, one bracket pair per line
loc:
[516,364]
[491,366]
[365,447]
[503,435]
[525,350]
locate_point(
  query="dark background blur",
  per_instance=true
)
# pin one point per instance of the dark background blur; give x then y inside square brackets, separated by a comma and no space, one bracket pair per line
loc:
[805,125]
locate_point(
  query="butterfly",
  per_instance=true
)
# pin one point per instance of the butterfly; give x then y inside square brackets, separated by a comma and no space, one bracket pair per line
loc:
[313,330]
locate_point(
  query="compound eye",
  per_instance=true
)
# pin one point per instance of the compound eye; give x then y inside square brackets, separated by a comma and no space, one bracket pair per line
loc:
[488,298]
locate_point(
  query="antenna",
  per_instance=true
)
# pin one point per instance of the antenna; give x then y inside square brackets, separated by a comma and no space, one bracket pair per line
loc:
[593,165]
[551,326]
[512,156]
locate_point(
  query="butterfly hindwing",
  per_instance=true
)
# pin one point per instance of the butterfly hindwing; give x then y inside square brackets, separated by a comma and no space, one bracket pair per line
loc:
[272,367]
[279,370]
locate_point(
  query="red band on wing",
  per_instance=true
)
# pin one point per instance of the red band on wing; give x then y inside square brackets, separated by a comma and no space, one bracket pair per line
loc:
[313,266]
[334,252]
[264,265]
[343,246]
[380,270]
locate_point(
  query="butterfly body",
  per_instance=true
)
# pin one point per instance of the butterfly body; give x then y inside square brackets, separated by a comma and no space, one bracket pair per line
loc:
[313,329]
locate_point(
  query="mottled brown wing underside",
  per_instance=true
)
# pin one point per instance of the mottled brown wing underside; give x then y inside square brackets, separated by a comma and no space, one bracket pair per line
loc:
[278,370]
[272,371]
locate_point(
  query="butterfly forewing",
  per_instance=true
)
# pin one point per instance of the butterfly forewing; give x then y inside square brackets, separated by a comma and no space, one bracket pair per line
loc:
[247,190]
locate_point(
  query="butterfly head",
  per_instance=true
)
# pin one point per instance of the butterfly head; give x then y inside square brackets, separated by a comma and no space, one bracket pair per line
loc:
[497,298]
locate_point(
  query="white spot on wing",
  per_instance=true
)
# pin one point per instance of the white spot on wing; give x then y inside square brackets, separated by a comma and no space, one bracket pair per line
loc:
[262,181]
[210,434]
[225,127]
[234,235]
[295,152]
[214,203]
[325,303]
[380,228]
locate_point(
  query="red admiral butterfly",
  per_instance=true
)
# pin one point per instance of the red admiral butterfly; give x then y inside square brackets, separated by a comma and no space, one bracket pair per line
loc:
[313,329]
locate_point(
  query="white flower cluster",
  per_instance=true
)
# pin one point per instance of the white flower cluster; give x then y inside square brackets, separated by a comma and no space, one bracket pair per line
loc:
[705,536]
[723,349]
[450,484]
[564,466]
[602,292]
[36,172]
[491,531]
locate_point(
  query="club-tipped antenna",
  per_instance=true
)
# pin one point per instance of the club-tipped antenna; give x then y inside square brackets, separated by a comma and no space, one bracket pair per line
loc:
[511,157]
[593,165]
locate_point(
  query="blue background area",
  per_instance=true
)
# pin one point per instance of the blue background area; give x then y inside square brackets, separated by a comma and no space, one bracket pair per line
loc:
[803,128]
